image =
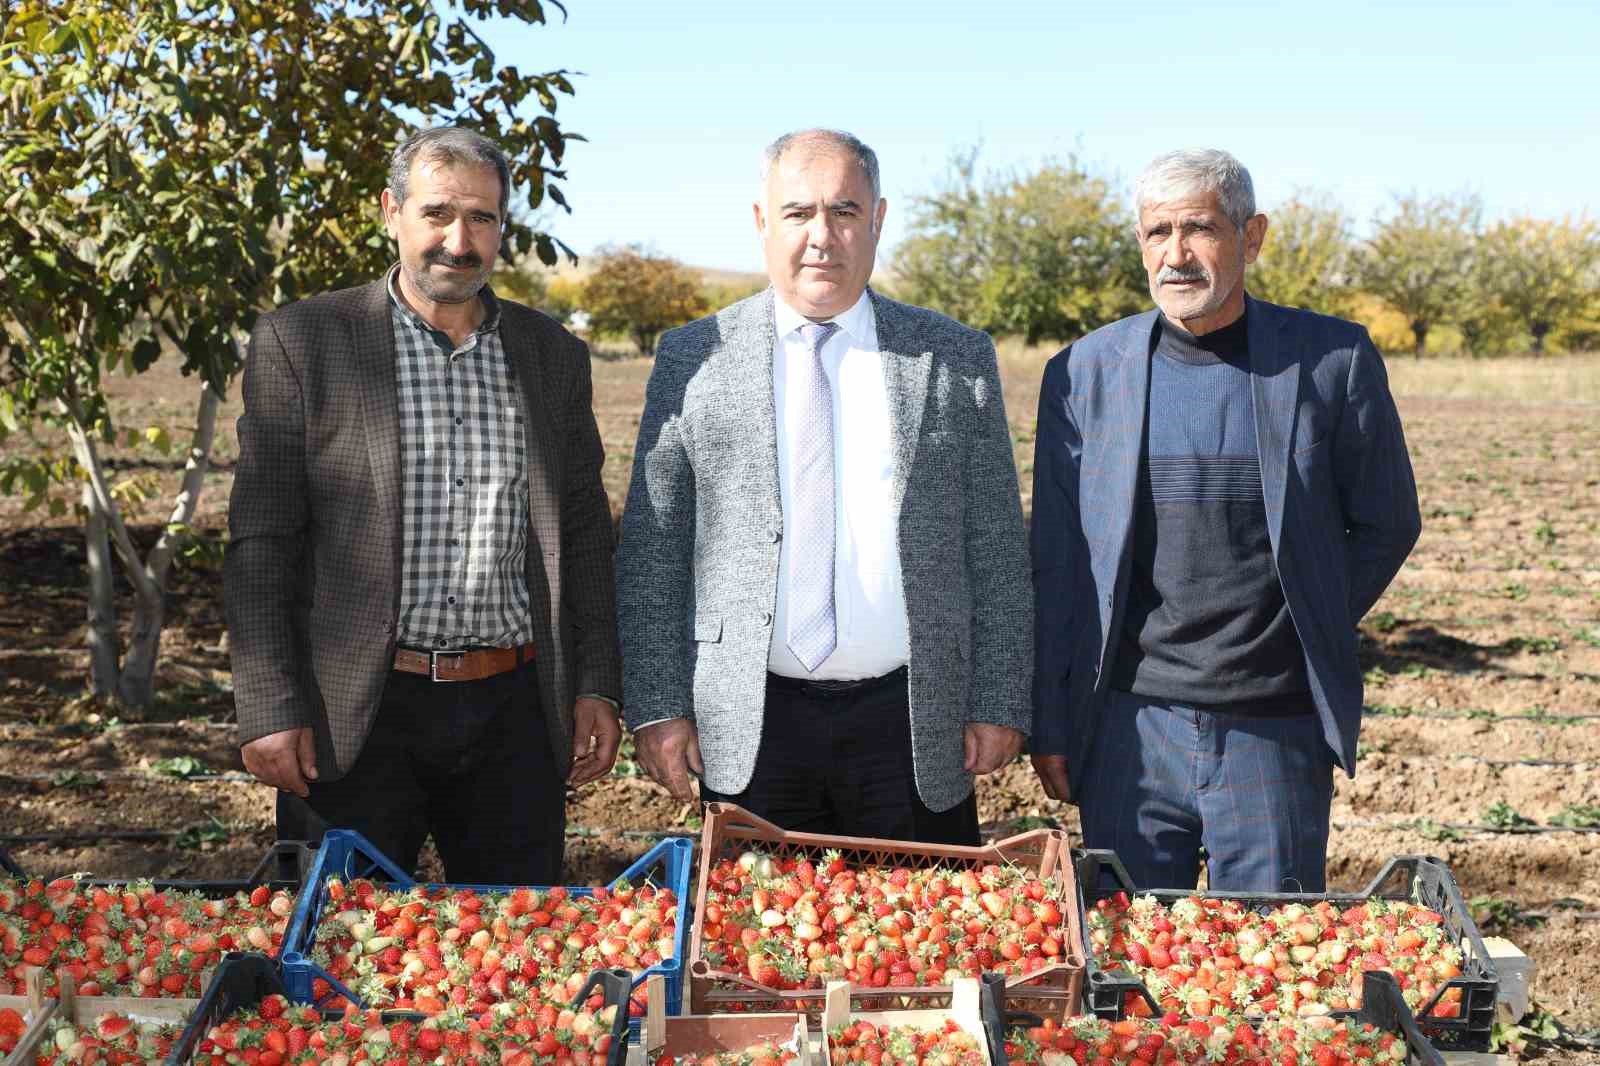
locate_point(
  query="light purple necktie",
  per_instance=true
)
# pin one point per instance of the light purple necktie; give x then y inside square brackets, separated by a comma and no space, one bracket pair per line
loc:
[812,627]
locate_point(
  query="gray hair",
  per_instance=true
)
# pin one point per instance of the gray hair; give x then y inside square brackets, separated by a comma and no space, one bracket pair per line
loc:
[848,143]
[1203,170]
[451,145]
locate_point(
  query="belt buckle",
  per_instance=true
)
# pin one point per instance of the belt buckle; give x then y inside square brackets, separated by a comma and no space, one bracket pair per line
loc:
[433,665]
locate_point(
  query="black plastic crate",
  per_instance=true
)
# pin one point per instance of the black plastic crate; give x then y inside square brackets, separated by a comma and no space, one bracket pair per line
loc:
[1420,879]
[1382,1007]
[242,981]
[9,865]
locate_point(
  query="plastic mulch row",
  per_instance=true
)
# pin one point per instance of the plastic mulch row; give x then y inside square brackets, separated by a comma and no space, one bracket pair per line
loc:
[348,855]
[242,981]
[1419,879]
[729,831]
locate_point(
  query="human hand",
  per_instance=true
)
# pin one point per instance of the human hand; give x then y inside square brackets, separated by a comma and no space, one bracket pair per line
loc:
[285,760]
[989,747]
[596,733]
[1052,771]
[669,751]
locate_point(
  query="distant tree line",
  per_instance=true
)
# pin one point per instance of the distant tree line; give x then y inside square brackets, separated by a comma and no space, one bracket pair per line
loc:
[1051,255]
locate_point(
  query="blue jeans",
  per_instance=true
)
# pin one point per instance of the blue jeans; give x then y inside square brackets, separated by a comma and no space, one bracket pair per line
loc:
[1163,780]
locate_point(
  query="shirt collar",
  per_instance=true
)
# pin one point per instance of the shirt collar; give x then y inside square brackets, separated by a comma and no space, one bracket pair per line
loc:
[491,305]
[855,322]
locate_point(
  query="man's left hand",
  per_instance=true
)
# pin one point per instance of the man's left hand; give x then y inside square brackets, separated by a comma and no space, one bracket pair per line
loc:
[595,736]
[989,747]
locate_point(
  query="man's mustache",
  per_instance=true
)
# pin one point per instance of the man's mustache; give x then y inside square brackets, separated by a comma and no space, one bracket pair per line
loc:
[444,258]
[1191,273]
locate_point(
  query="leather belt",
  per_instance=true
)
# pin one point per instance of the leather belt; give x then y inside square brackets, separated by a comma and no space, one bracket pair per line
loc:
[465,665]
[834,689]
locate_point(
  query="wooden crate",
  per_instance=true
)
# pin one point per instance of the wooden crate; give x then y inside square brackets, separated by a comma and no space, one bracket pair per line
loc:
[964,1010]
[40,1010]
[701,1034]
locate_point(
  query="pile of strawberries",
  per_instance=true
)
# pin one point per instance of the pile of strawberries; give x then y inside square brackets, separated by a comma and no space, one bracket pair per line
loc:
[132,939]
[12,1026]
[434,948]
[766,1053]
[112,1039]
[277,1033]
[904,1045]
[1315,1041]
[1201,956]
[791,923]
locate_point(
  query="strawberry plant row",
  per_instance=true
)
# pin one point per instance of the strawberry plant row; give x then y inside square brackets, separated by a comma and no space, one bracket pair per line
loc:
[366,931]
[1288,954]
[245,1017]
[779,914]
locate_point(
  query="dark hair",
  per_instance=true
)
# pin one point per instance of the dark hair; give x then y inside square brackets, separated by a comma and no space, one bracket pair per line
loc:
[454,145]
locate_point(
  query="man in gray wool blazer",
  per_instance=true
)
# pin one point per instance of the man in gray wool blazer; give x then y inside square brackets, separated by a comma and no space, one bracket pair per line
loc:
[419,575]
[1221,491]
[822,585]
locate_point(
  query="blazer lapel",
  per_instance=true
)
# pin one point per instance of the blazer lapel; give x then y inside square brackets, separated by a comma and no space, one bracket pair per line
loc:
[1122,452]
[749,343]
[906,368]
[539,429]
[380,403]
[1275,382]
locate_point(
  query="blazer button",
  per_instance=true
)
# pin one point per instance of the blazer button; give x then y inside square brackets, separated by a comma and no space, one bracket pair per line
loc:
[766,618]
[388,627]
[774,535]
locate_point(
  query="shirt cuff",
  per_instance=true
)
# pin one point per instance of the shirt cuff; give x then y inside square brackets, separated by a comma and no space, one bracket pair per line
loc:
[615,706]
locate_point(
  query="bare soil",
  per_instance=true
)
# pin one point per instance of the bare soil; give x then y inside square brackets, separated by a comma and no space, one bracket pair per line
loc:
[1483,679]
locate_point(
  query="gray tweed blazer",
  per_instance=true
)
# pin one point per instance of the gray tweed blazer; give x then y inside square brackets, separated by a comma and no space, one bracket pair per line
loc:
[312,573]
[697,569]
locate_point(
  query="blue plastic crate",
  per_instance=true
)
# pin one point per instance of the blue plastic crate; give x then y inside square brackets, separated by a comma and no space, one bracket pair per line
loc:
[349,855]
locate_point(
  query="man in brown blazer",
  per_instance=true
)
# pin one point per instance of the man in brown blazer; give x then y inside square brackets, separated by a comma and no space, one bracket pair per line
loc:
[419,573]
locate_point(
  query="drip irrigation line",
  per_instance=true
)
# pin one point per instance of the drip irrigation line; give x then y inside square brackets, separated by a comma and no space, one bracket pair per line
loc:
[1555,718]
[1482,830]
[76,778]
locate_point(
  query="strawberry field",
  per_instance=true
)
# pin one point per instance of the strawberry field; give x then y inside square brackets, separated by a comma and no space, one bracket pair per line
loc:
[1481,744]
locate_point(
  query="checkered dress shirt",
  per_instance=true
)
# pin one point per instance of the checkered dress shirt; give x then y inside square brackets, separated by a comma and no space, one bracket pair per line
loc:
[464,461]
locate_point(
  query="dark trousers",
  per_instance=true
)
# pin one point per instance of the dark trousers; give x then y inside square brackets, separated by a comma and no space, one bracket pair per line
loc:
[1164,780]
[839,762]
[469,762]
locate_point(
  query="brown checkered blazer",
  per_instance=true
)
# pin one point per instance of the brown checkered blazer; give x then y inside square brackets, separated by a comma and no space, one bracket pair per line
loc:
[312,575]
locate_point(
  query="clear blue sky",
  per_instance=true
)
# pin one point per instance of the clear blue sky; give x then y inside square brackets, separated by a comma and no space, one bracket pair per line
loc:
[1360,99]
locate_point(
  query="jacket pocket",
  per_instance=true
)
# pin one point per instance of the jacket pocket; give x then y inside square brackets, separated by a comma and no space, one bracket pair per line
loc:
[708,628]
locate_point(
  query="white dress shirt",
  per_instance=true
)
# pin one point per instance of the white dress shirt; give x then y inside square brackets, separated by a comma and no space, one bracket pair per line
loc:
[869,597]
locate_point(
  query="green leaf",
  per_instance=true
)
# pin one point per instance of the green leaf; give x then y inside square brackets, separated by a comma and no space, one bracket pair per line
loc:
[179,766]
[57,39]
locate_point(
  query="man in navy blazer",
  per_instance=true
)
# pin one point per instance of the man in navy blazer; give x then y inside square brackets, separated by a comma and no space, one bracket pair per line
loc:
[1221,491]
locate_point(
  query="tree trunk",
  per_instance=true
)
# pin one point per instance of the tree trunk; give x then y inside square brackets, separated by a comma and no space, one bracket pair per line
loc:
[101,631]
[134,683]
[136,688]
[1538,330]
[1419,330]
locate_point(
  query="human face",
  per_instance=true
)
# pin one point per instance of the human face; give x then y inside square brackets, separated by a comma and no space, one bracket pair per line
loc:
[819,229]
[1195,257]
[448,230]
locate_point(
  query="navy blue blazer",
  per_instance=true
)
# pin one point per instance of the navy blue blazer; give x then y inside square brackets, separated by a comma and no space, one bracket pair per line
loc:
[1341,506]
